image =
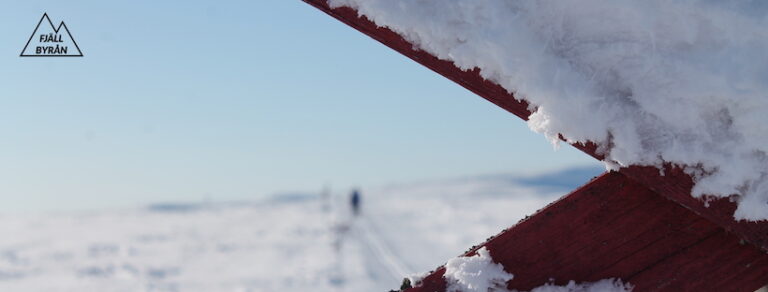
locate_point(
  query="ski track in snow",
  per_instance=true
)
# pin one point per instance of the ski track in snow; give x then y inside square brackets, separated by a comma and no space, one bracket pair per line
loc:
[270,245]
[383,251]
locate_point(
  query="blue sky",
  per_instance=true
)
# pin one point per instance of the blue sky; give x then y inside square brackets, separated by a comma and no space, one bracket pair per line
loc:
[230,100]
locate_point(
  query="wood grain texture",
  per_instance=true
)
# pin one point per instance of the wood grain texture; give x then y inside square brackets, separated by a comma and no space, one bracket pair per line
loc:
[615,227]
[676,186]
[636,224]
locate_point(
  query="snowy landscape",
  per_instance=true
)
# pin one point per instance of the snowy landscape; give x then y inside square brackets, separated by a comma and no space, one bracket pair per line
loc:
[651,83]
[292,242]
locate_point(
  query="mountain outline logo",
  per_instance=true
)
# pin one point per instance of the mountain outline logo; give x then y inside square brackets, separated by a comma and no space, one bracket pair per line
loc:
[51,41]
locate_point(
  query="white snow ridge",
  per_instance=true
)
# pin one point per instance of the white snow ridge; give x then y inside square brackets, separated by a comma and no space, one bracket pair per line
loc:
[480,274]
[653,81]
[477,273]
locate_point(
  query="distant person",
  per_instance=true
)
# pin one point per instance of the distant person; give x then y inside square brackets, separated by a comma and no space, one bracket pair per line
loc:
[354,201]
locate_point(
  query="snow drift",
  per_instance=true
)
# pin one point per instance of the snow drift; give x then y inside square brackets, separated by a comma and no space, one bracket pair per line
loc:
[286,243]
[681,82]
[479,273]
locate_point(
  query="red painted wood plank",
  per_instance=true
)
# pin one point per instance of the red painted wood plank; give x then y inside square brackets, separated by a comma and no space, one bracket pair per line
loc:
[468,79]
[734,266]
[675,185]
[615,227]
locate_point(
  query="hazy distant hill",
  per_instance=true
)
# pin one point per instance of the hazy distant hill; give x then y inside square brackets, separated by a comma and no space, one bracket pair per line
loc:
[292,242]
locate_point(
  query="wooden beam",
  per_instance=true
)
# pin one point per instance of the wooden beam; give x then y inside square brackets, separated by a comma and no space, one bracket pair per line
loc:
[615,227]
[675,185]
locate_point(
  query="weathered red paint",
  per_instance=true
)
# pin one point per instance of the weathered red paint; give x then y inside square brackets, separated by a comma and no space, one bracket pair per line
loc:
[676,186]
[615,227]
[637,225]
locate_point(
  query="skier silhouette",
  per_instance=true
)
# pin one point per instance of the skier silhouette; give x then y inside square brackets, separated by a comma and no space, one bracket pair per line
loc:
[354,201]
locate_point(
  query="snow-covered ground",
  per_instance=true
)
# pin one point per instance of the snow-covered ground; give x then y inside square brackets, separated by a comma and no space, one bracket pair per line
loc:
[285,243]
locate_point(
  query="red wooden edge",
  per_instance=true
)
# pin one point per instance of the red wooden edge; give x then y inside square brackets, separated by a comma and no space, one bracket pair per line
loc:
[615,227]
[675,185]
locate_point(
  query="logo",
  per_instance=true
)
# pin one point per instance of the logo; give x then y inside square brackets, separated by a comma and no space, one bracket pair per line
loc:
[50,41]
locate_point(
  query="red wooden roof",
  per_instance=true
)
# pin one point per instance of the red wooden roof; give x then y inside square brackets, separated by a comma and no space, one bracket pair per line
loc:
[637,224]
